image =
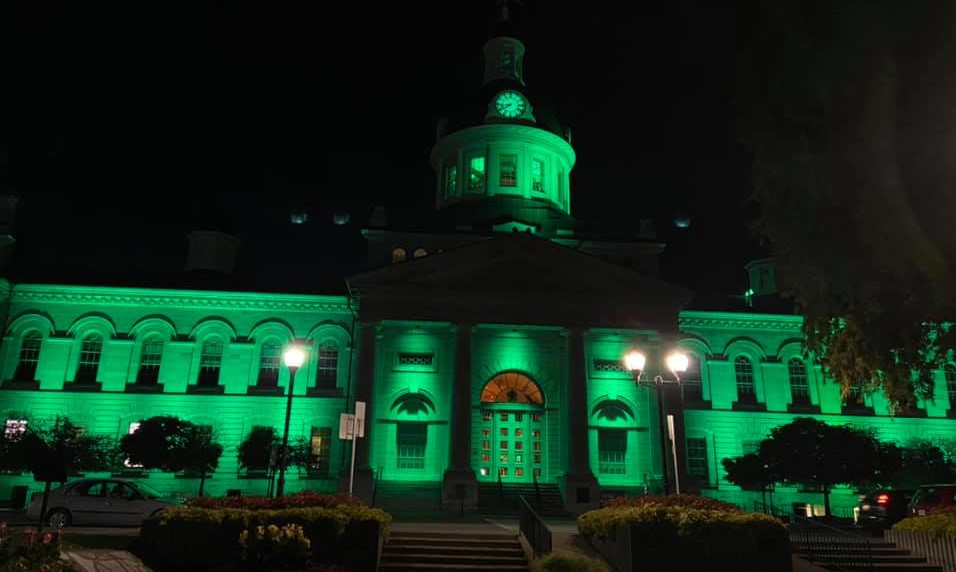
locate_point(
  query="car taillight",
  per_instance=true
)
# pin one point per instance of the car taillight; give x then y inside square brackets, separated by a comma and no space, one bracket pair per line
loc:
[883,499]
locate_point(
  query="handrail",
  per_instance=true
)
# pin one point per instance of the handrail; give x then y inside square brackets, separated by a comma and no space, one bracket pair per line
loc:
[829,546]
[535,531]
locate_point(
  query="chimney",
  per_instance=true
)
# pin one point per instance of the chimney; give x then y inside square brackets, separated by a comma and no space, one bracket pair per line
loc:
[211,251]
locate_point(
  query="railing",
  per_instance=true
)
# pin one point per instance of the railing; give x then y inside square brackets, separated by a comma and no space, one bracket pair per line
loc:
[830,547]
[535,531]
[774,511]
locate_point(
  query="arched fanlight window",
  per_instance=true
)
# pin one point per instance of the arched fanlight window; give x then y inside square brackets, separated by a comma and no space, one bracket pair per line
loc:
[29,356]
[614,411]
[398,255]
[419,252]
[210,362]
[90,353]
[150,357]
[744,373]
[512,387]
[270,356]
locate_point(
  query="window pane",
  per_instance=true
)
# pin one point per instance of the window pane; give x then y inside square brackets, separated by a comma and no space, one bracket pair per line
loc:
[320,448]
[476,173]
[150,357]
[697,458]
[328,366]
[537,175]
[269,358]
[612,451]
[509,171]
[411,445]
[89,359]
[451,180]
[210,361]
[799,388]
[744,372]
[29,356]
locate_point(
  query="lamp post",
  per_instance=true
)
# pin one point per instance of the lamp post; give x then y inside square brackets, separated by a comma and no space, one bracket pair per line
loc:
[677,363]
[293,357]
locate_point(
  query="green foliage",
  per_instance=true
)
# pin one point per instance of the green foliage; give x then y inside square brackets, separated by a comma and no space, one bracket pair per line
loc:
[751,472]
[256,449]
[302,499]
[286,547]
[683,500]
[942,522]
[848,149]
[27,551]
[919,462]
[59,447]
[172,444]
[566,561]
[668,521]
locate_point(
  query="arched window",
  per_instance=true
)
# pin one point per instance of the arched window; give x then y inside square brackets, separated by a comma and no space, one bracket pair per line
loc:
[799,388]
[328,371]
[90,353]
[398,255]
[419,252]
[949,373]
[210,362]
[269,358]
[29,356]
[149,358]
[511,387]
[744,373]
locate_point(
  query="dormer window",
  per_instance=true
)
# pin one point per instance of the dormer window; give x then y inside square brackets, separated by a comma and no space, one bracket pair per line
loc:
[508,167]
[451,180]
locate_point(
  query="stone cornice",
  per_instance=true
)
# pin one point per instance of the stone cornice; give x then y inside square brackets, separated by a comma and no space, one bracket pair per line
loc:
[741,321]
[101,296]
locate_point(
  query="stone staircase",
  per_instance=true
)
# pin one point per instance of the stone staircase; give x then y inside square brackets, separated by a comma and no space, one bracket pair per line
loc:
[844,553]
[408,496]
[453,552]
[546,500]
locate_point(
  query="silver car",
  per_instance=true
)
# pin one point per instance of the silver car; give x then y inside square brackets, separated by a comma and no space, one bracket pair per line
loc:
[115,502]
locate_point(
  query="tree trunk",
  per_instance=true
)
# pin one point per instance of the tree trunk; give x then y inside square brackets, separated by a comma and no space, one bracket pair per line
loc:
[202,481]
[826,501]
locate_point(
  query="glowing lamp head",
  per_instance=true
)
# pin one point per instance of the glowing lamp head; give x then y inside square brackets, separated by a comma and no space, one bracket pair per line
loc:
[294,357]
[677,363]
[635,361]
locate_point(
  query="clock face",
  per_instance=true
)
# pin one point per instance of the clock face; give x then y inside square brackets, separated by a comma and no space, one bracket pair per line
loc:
[510,104]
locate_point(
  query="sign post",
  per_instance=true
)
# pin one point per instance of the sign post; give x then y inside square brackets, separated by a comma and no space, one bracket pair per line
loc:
[351,428]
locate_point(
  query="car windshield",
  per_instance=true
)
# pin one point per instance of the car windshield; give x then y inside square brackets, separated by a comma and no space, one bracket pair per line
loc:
[148,492]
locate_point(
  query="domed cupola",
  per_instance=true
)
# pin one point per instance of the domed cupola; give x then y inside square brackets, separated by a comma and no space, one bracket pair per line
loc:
[503,167]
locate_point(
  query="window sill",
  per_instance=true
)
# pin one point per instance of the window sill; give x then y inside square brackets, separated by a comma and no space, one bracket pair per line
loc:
[323,392]
[206,389]
[23,384]
[144,388]
[802,408]
[82,387]
[913,413]
[256,390]
[748,406]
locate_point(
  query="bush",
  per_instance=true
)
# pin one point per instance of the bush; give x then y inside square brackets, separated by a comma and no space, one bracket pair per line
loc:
[686,501]
[566,561]
[304,499]
[941,522]
[285,547]
[29,551]
[676,520]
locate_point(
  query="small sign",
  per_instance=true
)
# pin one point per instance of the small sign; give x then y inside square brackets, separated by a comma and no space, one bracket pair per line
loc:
[346,426]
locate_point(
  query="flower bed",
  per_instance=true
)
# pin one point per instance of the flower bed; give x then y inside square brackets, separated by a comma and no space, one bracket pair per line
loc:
[28,550]
[200,538]
[671,533]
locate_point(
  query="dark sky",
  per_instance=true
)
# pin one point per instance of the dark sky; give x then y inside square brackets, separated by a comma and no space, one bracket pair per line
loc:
[123,126]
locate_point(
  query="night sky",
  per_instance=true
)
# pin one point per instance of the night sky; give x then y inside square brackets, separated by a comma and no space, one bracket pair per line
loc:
[124,126]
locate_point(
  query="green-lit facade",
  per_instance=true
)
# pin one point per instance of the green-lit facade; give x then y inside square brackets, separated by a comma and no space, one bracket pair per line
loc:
[488,346]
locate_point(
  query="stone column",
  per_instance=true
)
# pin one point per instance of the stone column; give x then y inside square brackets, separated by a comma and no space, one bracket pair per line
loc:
[581,491]
[362,485]
[459,487]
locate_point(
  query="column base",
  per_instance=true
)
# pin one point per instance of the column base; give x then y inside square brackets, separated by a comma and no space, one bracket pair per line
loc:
[581,492]
[363,484]
[459,490]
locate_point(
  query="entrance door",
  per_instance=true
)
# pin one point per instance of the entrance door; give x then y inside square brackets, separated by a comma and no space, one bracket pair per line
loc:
[511,444]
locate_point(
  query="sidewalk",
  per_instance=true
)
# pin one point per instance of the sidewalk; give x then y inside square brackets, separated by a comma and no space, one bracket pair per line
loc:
[105,561]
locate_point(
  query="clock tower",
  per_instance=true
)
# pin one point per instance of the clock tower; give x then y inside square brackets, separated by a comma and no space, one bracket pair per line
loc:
[506,165]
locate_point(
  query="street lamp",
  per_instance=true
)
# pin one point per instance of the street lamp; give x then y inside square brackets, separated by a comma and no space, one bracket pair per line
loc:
[677,363]
[293,357]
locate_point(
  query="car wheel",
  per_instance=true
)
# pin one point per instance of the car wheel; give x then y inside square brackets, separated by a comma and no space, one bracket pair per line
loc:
[58,517]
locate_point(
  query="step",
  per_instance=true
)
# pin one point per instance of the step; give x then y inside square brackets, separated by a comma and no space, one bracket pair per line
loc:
[456,550]
[389,558]
[464,537]
[449,542]
[451,568]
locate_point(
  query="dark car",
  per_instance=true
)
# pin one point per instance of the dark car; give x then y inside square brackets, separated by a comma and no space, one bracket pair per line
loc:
[929,498]
[882,508]
[115,502]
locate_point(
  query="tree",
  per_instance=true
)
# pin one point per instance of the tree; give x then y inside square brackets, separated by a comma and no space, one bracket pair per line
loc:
[845,110]
[751,472]
[171,444]
[921,462]
[256,450]
[815,455]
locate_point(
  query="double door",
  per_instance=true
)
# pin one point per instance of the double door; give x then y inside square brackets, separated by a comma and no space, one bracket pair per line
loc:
[511,444]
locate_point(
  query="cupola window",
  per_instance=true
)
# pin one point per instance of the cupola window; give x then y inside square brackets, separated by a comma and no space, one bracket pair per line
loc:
[509,171]
[537,175]
[476,173]
[451,180]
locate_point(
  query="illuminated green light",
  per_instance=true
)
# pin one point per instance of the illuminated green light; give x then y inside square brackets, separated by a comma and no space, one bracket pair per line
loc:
[510,104]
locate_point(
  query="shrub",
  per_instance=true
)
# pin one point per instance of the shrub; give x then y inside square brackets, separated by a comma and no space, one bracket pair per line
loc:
[30,552]
[566,561]
[675,520]
[285,547]
[305,499]
[687,501]
[942,522]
